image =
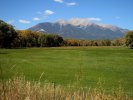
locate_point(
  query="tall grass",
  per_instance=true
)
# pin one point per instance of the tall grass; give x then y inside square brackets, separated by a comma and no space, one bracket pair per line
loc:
[18,88]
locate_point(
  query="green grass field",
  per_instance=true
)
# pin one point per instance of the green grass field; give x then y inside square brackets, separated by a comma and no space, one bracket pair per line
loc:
[63,65]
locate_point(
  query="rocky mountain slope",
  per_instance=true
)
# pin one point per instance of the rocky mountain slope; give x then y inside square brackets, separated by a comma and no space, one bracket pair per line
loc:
[80,29]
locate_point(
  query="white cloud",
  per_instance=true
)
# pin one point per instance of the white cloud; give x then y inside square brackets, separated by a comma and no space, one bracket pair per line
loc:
[24,21]
[48,12]
[94,19]
[79,21]
[10,21]
[36,19]
[71,3]
[60,1]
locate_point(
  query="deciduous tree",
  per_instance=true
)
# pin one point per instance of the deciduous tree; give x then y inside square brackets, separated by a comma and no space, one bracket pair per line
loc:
[129,39]
[7,35]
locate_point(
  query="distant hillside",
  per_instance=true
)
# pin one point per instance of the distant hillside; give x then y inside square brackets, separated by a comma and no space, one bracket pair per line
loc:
[80,30]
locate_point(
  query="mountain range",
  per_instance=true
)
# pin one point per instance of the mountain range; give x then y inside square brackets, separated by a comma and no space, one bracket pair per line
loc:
[80,29]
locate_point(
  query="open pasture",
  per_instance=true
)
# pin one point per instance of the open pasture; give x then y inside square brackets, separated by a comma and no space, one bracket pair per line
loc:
[70,65]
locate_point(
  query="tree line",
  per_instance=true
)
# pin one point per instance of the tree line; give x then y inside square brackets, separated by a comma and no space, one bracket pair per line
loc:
[74,42]
[27,38]
[9,37]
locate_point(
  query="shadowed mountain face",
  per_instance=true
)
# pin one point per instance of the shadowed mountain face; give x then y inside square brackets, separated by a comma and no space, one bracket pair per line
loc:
[81,30]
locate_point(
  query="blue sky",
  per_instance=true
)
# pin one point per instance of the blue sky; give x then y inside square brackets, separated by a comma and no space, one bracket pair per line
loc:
[23,14]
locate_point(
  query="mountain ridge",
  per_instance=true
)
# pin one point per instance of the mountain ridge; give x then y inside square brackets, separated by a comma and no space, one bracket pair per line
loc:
[80,29]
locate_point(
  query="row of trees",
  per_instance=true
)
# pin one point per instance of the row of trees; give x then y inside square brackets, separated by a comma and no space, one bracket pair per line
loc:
[74,42]
[9,37]
[27,38]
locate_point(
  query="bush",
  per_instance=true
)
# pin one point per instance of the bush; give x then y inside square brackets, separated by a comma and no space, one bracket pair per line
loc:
[129,39]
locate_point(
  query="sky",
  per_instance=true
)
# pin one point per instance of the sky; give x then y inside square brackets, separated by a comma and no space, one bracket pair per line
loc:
[23,14]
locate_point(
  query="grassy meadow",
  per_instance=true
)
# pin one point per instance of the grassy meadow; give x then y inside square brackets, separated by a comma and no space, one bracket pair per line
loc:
[71,65]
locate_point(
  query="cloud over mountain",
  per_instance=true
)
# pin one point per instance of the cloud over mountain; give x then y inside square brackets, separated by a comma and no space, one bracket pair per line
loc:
[24,21]
[78,21]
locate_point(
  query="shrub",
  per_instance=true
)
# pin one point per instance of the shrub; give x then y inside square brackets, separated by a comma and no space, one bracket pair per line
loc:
[129,39]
